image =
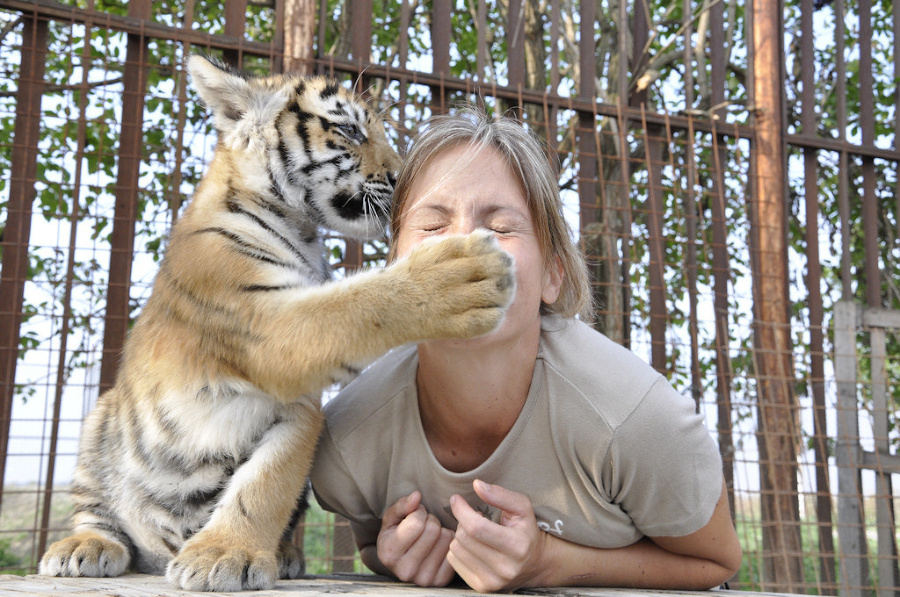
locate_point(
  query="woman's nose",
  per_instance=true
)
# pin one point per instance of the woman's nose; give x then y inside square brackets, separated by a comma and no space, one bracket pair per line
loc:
[465,225]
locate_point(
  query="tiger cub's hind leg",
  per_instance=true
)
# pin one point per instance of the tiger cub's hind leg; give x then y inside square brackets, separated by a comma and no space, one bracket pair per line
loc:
[86,553]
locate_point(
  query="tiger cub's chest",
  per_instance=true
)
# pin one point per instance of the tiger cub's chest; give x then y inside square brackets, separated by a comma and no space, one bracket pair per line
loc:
[224,424]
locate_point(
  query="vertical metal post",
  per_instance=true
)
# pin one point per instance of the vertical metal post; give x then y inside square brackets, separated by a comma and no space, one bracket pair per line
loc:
[515,42]
[235,21]
[361,49]
[440,50]
[888,573]
[118,309]
[814,300]
[867,128]
[588,147]
[17,234]
[624,200]
[74,217]
[656,244]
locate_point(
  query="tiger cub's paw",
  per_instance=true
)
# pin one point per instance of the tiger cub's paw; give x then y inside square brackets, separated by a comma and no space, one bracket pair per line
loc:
[85,554]
[461,285]
[291,562]
[205,565]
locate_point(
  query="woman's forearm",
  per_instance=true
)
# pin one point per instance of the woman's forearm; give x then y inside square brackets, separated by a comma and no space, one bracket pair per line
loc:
[641,565]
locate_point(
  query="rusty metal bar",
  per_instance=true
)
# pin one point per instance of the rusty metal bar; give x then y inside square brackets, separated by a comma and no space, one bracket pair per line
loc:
[640,33]
[235,22]
[361,33]
[515,42]
[622,123]
[587,148]
[690,256]
[441,25]
[842,145]
[482,51]
[50,10]
[653,157]
[588,145]
[844,165]
[721,259]
[174,191]
[440,36]
[552,110]
[896,31]
[721,273]
[814,300]
[74,217]
[888,574]
[360,49]
[867,127]
[126,190]
[687,25]
[15,242]
[577,103]
[403,55]
[319,54]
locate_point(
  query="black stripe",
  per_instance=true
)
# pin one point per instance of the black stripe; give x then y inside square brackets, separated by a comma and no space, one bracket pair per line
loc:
[335,161]
[330,90]
[201,497]
[265,288]
[246,248]
[113,532]
[235,208]
[203,302]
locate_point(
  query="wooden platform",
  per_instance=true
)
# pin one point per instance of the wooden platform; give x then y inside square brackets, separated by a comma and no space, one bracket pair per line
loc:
[135,585]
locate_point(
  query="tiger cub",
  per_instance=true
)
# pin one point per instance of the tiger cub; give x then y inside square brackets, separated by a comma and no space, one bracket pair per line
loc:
[194,462]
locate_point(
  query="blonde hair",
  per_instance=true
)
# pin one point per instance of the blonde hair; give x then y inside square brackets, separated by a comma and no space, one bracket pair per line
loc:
[528,160]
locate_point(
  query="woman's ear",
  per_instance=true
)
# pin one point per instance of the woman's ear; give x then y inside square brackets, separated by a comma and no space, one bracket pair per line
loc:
[553,278]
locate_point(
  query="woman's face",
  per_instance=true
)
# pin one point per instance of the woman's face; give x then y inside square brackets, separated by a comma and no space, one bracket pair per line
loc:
[465,189]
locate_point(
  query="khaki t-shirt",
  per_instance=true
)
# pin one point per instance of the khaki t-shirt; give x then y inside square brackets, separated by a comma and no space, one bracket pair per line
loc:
[604,447]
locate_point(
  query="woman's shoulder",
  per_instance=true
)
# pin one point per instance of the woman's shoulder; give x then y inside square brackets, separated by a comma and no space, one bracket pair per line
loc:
[608,377]
[375,388]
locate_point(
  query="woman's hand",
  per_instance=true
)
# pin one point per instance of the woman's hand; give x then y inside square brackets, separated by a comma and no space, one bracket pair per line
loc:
[516,553]
[412,545]
[498,557]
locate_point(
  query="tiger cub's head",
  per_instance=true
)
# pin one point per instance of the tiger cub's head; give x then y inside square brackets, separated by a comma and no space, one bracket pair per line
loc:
[322,148]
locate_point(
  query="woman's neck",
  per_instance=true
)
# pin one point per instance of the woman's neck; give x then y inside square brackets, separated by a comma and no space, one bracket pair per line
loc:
[470,396]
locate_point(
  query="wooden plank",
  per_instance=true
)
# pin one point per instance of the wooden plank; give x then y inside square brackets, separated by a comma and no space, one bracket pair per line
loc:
[876,317]
[140,585]
[851,529]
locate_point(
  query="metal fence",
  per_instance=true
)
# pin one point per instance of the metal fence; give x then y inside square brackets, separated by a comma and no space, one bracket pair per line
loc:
[730,170]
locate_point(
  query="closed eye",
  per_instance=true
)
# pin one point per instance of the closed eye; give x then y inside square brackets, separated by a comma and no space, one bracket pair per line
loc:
[351,132]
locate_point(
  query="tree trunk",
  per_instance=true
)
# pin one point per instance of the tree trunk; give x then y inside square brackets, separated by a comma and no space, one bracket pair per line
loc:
[299,32]
[777,435]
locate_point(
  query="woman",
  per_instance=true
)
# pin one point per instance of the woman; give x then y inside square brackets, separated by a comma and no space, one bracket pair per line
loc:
[541,454]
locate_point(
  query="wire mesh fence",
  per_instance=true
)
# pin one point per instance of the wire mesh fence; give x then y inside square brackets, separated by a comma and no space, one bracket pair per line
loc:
[659,129]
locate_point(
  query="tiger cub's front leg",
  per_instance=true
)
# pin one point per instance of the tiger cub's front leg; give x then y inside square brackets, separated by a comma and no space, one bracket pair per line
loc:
[239,548]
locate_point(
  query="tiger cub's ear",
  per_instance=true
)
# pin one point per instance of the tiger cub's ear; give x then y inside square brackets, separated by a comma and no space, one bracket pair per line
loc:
[241,108]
